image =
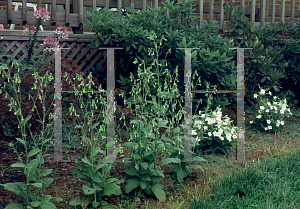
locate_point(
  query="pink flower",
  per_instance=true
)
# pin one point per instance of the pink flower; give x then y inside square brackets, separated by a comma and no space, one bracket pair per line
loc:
[28,28]
[42,13]
[52,42]
[62,31]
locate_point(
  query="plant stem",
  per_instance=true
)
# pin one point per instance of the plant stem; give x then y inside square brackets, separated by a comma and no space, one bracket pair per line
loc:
[31,44]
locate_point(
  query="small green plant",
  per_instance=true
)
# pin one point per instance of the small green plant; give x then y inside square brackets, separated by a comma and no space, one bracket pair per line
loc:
[32,168]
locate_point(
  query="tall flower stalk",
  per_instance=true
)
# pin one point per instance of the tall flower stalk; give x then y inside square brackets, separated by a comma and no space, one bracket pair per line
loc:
[49,42]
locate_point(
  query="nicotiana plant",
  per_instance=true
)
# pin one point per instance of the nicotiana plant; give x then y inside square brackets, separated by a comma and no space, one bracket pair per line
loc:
[269,116]
[89,170]
[32,168]
[144,172]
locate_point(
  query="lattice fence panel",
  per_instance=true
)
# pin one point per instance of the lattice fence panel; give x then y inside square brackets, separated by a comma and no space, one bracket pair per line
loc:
[83,55]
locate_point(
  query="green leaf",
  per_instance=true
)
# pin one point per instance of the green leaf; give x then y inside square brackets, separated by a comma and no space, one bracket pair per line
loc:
[46,172]
[150,152]
[19,165]
[143,184]
[15,206]
[110,189]
[27,119]
[184,46]
[47,198]
[14,187]
[97,42]
[39,185]
[88,190]
[131,184]
[22,141]
[156,179]
[46,182]
[159,192]
[144,165]
[129,144]
[131,172]
[33,152]
[169,160]
[85,160]
[263,79]
[180,175]
[140,48]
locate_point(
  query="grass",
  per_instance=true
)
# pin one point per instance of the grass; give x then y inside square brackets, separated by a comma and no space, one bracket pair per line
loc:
[272,181]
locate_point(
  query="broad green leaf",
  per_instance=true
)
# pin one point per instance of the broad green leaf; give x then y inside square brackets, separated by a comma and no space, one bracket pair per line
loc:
[129,144]
[96,178]
[150,152]
[85,160]
[169,160]
[18,164]
[156,179]
[37,185]
[159,192]
[110,189]
[47,198]
[131,184]
[88,190]
[15,206]
[131,172]
[99,166]
[33,152]
[143,184]
[13,187]
[46,172]
[76,201]
[180,175]
[144,165]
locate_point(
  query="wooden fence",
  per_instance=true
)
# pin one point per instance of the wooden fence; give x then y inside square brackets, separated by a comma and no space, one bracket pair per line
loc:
[73,16]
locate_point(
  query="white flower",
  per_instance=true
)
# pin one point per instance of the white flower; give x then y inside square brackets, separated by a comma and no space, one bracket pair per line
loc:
[262,107]
[259,116]
[268,121]
[209,133]
[255,95]
[262,91]
[194,132]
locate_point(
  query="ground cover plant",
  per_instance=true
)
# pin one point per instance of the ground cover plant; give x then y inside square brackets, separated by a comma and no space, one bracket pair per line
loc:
[151,140]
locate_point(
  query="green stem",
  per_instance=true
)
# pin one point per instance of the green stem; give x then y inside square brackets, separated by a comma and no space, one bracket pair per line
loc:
[31,44]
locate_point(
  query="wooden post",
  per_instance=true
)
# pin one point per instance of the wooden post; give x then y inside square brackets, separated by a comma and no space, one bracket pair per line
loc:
[24,11]
[67,9]
[9,15]
[53,12]
[79,9]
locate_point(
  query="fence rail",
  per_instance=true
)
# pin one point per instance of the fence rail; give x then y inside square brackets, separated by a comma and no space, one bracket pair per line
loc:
[74,16]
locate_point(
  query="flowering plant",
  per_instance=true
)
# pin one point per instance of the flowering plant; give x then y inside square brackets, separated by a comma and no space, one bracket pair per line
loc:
[49,42]
[212,134]
[270,116]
